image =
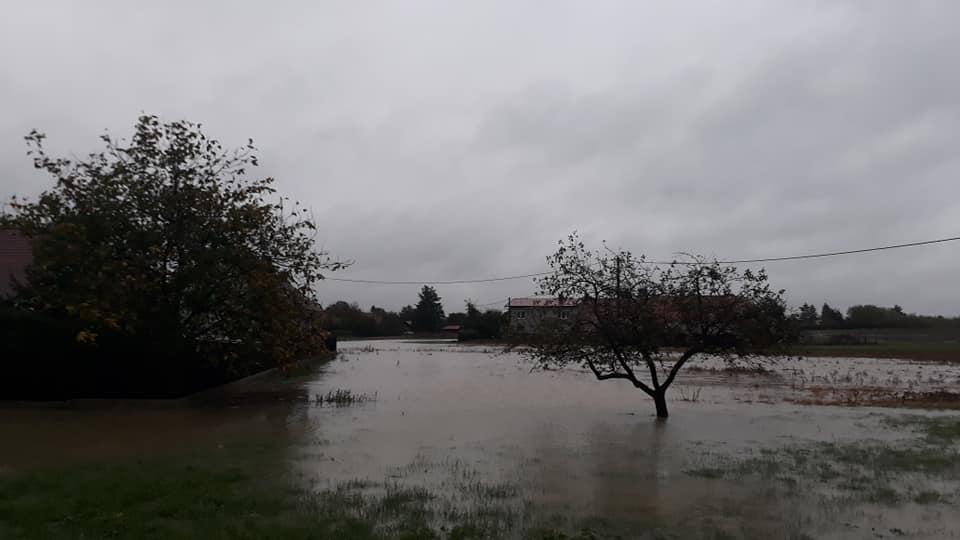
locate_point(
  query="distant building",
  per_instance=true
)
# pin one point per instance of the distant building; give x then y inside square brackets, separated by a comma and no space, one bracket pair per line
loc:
[527,314]
[16,253]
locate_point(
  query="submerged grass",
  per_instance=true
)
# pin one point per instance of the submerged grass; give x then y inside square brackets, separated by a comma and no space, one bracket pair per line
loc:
[944,430]
[159,500]
[875,472]
[248,493]
[343,398]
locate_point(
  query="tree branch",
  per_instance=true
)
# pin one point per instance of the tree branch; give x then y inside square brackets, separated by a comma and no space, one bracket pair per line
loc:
[676,367]
[654,380]
[615,375]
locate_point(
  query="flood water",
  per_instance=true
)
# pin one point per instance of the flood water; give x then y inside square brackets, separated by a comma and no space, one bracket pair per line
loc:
[441,411]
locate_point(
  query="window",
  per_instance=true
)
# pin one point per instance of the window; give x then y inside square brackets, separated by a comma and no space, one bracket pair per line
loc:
[564,314]
[521,314]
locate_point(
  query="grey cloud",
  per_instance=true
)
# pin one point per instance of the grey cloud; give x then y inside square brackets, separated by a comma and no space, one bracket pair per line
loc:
[435,141]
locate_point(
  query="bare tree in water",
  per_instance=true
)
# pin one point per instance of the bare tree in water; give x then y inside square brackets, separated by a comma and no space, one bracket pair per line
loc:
[644,322]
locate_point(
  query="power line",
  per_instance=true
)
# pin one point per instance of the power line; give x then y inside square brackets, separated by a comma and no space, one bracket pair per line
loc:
[738,261]
[849,252]
[495,302]
[447,282]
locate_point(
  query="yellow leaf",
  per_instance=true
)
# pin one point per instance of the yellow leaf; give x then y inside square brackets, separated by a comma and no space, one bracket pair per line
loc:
[86,337]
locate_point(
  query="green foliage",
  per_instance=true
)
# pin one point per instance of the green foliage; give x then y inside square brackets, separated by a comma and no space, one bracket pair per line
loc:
[829,317]
[428,314]
[456,318]
[871,316]
[348,319]
[488,324]
[164,238]
[342,317]
[807,316]
[391,324]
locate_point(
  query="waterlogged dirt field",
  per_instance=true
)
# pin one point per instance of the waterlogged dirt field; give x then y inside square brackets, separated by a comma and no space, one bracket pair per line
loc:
[466,441]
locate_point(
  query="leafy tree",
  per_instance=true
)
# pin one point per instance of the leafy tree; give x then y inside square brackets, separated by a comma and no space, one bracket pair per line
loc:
[428,315]
[389,323]
[482,325]
[164,238]
[473,314]
[632,316]
[457,318]
[871,316]
[392,325]
[830,317]
[808,316]
[491,324]
[347,318]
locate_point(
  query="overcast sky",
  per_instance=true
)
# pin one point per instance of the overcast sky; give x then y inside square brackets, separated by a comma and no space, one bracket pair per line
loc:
[447,140]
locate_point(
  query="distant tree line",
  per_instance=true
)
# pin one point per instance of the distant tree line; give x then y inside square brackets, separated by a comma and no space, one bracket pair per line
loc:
[869,316]
[425,317]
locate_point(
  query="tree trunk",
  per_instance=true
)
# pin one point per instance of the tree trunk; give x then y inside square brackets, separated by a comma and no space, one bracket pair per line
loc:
[660,399]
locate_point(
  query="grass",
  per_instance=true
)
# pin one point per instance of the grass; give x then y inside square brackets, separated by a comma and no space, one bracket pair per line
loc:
[915,459]
[693,396]
[343,398]
[882,473]
[199,498]
[928,497]
[946,431]
[159,500]
[247,493]
[943,430]
[486,491]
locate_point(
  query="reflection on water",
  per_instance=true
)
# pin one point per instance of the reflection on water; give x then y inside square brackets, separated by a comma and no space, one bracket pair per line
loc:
[571,444]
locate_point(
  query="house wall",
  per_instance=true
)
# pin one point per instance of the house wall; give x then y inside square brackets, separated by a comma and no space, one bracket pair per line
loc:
[526,320]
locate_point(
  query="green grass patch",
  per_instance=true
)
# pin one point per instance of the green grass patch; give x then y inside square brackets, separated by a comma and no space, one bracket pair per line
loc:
[246,493]
[942,430]
[867,471]
[928,497]
[882,495]
[484,491]
[163,500]
[889,459]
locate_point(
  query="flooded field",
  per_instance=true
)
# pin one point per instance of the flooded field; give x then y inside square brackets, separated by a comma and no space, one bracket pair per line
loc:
[467,433]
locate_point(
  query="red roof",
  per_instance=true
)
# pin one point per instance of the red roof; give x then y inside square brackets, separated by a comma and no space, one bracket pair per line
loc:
[15,254]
